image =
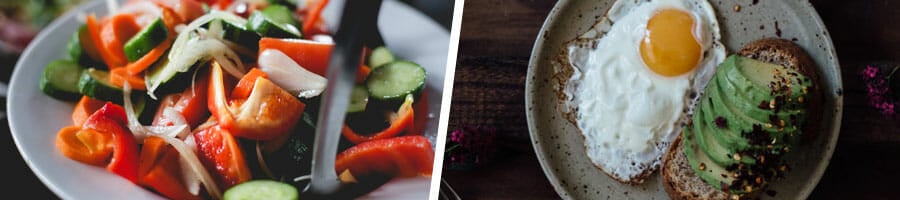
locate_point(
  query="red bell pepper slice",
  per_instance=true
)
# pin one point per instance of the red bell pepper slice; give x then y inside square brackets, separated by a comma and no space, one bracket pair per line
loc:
[312,20]
[402,122]
[311,55]
[191,104]
[219,152]
[405,156]
[160,169]
[267,113]
[111,119]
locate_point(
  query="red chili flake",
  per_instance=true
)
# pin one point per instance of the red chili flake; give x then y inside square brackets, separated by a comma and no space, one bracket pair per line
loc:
[721,123]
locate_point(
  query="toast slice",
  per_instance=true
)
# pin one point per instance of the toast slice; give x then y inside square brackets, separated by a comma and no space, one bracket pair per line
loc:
[679,178]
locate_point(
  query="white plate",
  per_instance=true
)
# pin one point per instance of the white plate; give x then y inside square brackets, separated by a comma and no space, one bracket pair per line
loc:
[35,118]
[560,148]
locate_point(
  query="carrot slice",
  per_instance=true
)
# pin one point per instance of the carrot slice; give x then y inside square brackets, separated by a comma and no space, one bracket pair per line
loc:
[85,107]
[114,34]
[118,76]
[245,85]
[362,73]
[170,19]
[85,145]
[151,57]
[94,27]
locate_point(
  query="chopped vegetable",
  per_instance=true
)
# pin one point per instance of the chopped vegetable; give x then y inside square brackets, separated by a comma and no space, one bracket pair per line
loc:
[310,55]
[220,153]
[262,189]
[267,113]
[405,156]
[401,122]
[60,80]
[110,119]
[290,76]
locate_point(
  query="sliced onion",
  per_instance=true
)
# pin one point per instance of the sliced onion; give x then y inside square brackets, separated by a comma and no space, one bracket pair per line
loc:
[289,75]
[112,6]
[145,11]
[191,180]
[193,162]
[262,161]
[133,124]
[194,45]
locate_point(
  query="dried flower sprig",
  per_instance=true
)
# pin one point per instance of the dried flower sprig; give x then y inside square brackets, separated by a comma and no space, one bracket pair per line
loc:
[880,88]
[469,147]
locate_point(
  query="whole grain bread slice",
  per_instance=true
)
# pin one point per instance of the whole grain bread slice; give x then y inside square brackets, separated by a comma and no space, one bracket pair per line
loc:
[679,178]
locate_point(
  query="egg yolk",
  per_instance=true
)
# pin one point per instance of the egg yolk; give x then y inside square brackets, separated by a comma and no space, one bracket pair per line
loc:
[669,47]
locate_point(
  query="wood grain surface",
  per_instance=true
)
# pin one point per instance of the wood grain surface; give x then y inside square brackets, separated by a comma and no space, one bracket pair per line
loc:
[495,44]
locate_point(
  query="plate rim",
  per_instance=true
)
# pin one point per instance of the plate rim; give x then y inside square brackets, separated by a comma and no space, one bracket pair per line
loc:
[540,152]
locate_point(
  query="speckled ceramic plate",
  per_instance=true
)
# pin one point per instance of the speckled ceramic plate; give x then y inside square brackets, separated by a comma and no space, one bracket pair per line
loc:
[560,148]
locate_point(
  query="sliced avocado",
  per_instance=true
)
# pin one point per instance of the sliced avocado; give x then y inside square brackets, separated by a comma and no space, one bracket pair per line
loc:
[711,173]
[724,135]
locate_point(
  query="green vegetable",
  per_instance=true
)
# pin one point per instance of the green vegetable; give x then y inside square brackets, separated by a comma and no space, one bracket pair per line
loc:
[358,99]
[380,56]
[262,189]
[144,41]
[60,80]
[393,81]
[95,84]
[274,21]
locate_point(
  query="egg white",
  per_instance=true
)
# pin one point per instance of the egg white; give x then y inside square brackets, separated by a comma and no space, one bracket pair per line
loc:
[628,114]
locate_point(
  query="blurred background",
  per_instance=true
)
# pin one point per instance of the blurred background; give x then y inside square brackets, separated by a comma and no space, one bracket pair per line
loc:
[22,20]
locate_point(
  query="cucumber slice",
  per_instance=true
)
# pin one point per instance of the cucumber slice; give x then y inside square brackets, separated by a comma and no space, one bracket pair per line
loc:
[95,83]
[149,37]
[237,32]
[393,81]
[262,189]
[168,80]
[380,56]
[274,21]
[292,5]
[358,99]
[74,46]
[60,80]
[77,53]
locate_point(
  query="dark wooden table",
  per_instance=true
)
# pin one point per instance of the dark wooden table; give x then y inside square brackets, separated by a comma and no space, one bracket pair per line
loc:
[495,45]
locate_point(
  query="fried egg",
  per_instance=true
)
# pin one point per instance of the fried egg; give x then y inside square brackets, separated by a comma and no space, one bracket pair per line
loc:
[636,76]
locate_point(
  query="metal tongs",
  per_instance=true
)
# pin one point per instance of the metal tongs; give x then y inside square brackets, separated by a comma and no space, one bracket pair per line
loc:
[358,26]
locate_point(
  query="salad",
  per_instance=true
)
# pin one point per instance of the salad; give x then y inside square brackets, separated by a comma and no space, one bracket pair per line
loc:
[218,99]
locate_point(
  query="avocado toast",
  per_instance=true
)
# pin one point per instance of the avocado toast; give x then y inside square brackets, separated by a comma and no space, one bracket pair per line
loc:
[752,113]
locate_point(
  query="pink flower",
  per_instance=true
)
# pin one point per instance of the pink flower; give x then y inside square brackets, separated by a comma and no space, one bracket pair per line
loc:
[878,91]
